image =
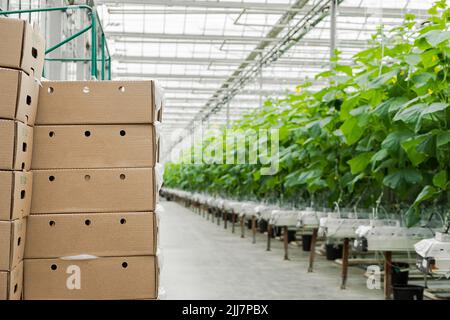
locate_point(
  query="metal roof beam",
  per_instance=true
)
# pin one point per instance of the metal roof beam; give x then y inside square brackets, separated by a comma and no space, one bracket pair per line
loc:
[200,77]
[269,7]
[207,4]
[139,37]
[196,37]
[216,61]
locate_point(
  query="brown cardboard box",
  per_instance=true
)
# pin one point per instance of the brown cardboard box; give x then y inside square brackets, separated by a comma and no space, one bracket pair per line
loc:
[94,146]
[11,283]
[12,243]
[101,278]
[22,47]
[93,190]
[16,144]
[18,96]
[103,235]
[15,194]
[98,102]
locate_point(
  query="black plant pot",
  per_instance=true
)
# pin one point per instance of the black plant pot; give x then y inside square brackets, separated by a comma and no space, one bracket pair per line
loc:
[333,251]
[306,242]
[399,278]
[291,235]
[408,292]
[263,226]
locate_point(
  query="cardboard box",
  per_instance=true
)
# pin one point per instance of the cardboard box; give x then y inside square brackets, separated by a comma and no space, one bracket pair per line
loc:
[11,283]
[101,278]
[94,190]
[94,146]
[15,194]
[16,144]
[12,243]
[22,46]
[97,234]
[98,102]
[18,96]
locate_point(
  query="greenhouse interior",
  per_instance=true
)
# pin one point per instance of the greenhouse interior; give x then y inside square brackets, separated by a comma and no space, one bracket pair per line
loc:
[225,150]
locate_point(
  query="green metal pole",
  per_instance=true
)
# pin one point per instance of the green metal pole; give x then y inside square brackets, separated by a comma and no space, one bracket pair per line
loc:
[56,46]
[71,59]
[74,7]
[94,45]
[109,67]
[103,56]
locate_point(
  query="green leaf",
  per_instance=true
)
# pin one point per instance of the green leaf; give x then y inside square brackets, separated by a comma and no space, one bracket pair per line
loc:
[410,147]
[427,193]
[440,179]
[394,139]
[410,115]
[352,130]
[379,156]
[400,177]
[412,59]
[423,78]
[436,37]
[360,162]
[412,216]
[390,105]
[442,139]
[435,107]
[430,58]
[384,79]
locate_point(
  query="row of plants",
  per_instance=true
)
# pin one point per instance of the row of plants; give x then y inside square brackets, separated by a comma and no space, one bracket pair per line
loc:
[377,135]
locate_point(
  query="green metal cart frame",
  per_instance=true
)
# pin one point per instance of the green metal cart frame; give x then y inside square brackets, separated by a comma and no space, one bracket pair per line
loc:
[92,13]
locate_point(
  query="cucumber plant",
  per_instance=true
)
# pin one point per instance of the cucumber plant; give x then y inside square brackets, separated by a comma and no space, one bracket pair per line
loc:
[379,133]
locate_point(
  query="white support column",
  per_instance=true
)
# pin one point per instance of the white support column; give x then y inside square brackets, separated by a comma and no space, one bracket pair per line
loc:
[53,69]
[333,27]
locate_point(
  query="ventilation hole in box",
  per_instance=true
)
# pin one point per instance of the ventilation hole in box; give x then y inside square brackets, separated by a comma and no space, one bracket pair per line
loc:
[24,147]
[23,165]
[52,223]
[122,89]
[51,178]
[28,100]
[22,194]
[122,177]
[19,241]
[87,222]
[50,89]
[87,177]
[54,267]
[51,134]
[125,265]
[123,133]
[123,221]
[34,52]
[15,288]
[86,90]
[87,133]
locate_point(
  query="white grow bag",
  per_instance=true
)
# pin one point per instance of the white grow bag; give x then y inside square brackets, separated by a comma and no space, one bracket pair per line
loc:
[282,218]
[310,219]
[340,228]
[388,238]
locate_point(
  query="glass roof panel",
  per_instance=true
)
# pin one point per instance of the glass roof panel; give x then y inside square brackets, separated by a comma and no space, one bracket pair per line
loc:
[199,48]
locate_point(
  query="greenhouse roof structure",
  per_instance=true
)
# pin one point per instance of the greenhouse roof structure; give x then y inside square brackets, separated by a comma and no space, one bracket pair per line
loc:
[217,59]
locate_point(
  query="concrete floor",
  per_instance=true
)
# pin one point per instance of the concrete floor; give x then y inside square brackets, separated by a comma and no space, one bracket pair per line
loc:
[204,261]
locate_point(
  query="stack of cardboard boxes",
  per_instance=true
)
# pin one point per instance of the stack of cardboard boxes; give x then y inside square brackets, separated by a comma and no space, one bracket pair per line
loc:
[21,62]
[92,232]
